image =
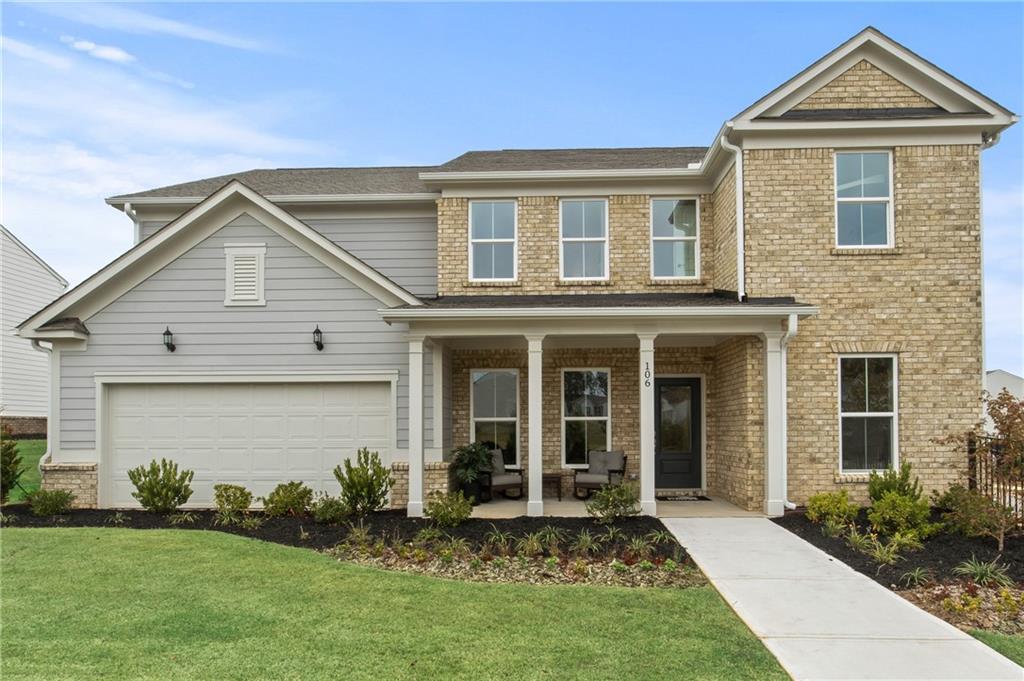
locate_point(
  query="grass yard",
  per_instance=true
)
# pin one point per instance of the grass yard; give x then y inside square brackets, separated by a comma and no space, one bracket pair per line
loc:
[1005,644]
[30,451]
[156,604]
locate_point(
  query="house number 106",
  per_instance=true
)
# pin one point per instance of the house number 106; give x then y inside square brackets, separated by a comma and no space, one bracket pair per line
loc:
[647,374]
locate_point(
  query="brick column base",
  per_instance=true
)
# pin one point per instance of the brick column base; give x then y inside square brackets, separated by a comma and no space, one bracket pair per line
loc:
[81,479]
[435,479]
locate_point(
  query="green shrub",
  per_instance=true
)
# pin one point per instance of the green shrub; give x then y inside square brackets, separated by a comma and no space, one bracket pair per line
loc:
[975,514]
[984,574]
[44,502]
[232,502]
[919,576]
[10,463]
[894,481]
[835,506]
[161,488]
[613,502]
[448,510]
[897,513]
[327,509]
[288,498]
[364,487]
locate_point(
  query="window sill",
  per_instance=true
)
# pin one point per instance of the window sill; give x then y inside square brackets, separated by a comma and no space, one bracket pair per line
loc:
[852,478]
[676,282]
[889,251]
[584,282]
[492,284]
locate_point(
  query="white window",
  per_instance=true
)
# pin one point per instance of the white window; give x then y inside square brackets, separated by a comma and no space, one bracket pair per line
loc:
[867,412]
[494,410]
[675,245]
[586,409]
[584,236]
[492,240]
[244,274]
[863,199]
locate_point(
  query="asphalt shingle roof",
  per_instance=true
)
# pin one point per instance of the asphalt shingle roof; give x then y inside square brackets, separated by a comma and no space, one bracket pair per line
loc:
[574,159]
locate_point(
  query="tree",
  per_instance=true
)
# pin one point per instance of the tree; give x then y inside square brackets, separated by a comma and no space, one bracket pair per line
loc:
[10,463]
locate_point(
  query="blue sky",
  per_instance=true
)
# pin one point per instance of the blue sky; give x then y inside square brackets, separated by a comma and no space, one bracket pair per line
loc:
[103,99]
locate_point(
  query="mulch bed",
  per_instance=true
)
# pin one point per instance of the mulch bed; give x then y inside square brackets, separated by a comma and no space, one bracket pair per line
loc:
[969,606]
[940,554]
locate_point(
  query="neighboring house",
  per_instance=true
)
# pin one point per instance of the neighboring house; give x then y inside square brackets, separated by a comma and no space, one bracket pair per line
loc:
[26,284]
[998,380]
[771,316]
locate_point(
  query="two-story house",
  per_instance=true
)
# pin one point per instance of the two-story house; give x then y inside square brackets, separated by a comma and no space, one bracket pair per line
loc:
[761,319]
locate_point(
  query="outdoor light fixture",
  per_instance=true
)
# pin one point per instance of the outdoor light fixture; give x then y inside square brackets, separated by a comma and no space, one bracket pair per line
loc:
[169,339]
[318,338]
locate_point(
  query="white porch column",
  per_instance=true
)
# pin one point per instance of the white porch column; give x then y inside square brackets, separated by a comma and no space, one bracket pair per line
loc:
[648,505]
[774,424]
[415,507]
[437,401]
[535,436]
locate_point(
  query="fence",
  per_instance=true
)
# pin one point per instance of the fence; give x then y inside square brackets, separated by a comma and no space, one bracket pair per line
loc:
[990,471]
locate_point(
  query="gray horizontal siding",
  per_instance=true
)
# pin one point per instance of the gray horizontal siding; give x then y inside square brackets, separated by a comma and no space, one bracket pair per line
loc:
[404,249]
[188,296]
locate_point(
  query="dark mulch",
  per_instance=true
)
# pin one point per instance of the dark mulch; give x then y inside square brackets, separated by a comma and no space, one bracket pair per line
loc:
[391,526]
[940,554]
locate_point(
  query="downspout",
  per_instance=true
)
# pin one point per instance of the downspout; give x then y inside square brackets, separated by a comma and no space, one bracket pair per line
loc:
[741,276]
[45,458]
[790,332]
[130,212]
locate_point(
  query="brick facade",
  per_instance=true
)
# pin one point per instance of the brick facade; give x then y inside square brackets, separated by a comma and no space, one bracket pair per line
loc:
[435,479]
[81,479]
[921,299]
[864,86]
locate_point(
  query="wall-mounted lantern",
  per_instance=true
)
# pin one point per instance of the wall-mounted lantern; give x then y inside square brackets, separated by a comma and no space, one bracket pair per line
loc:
[169,339]
[318,338]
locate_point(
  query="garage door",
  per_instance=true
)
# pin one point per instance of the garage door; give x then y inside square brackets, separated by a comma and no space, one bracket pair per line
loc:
[257,435]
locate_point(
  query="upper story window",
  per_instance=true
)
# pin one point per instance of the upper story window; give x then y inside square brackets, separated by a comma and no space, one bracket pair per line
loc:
[675,247]
[492,240]
[244,265]
[584,239]
[864,199]
[867,412]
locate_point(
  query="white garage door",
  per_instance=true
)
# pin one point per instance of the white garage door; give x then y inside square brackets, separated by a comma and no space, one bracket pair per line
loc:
[257,435]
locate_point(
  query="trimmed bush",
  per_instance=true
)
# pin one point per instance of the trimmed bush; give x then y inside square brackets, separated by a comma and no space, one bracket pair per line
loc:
[831,506]
[448,510]
[364,487]
[44,502]
[894,481]
[896,513]
[327,509]
[288,498]
[161,488]
[974,514]
[612,502]
[232,500]
[10,463]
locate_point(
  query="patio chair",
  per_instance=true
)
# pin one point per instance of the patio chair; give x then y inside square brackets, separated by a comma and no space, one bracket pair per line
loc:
[604,468]
[503,479]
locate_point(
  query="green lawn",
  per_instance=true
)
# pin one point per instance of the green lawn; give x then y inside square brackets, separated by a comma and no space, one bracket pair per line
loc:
[1008,646]
[113,603]
[30,451]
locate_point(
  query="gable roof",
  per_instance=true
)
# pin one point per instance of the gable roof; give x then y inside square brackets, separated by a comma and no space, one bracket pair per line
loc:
[28,251]
[626,158]
[217,210]
[918,74]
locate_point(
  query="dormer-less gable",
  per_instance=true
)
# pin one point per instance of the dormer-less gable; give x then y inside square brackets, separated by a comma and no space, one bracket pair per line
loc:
[865,86]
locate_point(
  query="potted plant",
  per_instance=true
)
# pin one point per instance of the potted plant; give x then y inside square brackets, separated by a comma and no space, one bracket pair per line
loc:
[469,463]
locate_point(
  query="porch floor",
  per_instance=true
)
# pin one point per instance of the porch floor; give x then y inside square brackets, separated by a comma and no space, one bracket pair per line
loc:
[572,508]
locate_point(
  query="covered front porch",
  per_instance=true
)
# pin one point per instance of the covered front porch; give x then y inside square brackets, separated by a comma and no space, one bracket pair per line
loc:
[709,507]
[692,395]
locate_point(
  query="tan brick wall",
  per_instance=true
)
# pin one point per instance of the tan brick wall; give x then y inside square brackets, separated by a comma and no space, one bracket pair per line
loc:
[731,452]
[921,299]
[629,249]
[723,201]
[80,479]
[864,86]
[24,427]
[435,479]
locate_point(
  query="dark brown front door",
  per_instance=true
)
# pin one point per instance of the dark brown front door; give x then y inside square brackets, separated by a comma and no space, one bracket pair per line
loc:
[677,436]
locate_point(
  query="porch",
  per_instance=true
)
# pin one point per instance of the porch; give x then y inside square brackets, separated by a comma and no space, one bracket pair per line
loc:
[574,508]
[692,395]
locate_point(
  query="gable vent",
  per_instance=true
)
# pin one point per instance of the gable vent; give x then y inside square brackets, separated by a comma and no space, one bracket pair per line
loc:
[244,280]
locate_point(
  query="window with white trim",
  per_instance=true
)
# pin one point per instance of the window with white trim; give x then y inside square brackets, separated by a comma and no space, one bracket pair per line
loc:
[494,410]
[492,240]
[584,239]
[867,412]
[675,249]
[863,199]
[586,414]
[244,274]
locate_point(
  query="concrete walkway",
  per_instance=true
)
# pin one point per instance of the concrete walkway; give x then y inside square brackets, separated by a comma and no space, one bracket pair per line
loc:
[822,619]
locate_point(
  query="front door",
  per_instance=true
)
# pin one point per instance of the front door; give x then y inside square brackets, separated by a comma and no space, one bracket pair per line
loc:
[677,436]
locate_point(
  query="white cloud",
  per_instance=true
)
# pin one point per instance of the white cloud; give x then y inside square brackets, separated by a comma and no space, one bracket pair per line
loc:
[106,52]
[121,18]
[32,53]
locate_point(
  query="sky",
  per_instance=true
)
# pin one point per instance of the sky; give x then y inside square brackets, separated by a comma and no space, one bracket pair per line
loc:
[104,99]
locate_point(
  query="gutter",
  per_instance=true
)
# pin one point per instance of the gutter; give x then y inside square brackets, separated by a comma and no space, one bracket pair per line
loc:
[741,275]
[45,458]
[791,328]
[130,212]
[446,314]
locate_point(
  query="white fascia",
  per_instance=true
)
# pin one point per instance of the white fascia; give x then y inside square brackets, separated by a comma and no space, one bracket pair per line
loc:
[436,314]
